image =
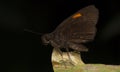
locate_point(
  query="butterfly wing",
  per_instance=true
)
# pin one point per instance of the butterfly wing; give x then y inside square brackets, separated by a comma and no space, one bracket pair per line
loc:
[77,29]
[80,27]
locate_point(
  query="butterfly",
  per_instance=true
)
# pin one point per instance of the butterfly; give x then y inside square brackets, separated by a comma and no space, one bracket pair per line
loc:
[77,29]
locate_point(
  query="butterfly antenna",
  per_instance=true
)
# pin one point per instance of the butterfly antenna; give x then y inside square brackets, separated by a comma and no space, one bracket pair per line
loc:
[27,30]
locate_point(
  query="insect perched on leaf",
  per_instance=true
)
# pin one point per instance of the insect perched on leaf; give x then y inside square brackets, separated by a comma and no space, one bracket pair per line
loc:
[75,30]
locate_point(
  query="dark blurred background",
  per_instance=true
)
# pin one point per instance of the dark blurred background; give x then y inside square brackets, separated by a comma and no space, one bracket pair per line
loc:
[23,51]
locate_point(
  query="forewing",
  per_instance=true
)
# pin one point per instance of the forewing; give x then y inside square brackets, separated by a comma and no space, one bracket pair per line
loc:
[80,27]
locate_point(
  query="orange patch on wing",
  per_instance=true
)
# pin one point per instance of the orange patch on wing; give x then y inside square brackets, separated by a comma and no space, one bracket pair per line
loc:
[76,15]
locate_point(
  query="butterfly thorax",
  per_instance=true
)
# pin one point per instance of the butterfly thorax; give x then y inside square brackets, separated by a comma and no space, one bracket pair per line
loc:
[53,39]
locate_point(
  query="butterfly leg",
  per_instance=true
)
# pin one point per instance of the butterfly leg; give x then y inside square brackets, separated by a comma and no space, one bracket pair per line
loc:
[70,60]
[57,48]
[63,61]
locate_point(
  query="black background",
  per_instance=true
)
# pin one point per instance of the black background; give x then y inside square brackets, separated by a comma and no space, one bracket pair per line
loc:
[23,51]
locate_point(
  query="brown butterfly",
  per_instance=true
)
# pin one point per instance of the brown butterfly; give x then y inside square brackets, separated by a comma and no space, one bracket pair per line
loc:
[75,30]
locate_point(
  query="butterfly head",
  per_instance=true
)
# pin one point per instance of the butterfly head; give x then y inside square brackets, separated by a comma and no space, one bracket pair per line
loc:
[46,38]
